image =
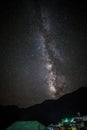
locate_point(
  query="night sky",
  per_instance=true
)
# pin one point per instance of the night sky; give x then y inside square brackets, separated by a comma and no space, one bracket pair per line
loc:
[43,52]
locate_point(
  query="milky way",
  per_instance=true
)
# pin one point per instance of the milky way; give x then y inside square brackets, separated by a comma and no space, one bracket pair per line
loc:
[51,75]
[55,82]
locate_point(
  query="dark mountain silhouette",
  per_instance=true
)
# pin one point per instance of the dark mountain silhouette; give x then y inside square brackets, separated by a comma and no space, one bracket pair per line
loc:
[8,115]
[50,111]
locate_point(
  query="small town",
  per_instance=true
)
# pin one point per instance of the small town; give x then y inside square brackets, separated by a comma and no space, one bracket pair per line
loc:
[73,123]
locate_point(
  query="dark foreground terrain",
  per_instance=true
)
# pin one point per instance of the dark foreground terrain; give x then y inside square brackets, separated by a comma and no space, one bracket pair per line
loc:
[49,111]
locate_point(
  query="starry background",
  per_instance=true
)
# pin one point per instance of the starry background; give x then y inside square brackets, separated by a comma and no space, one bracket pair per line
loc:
[43,52]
